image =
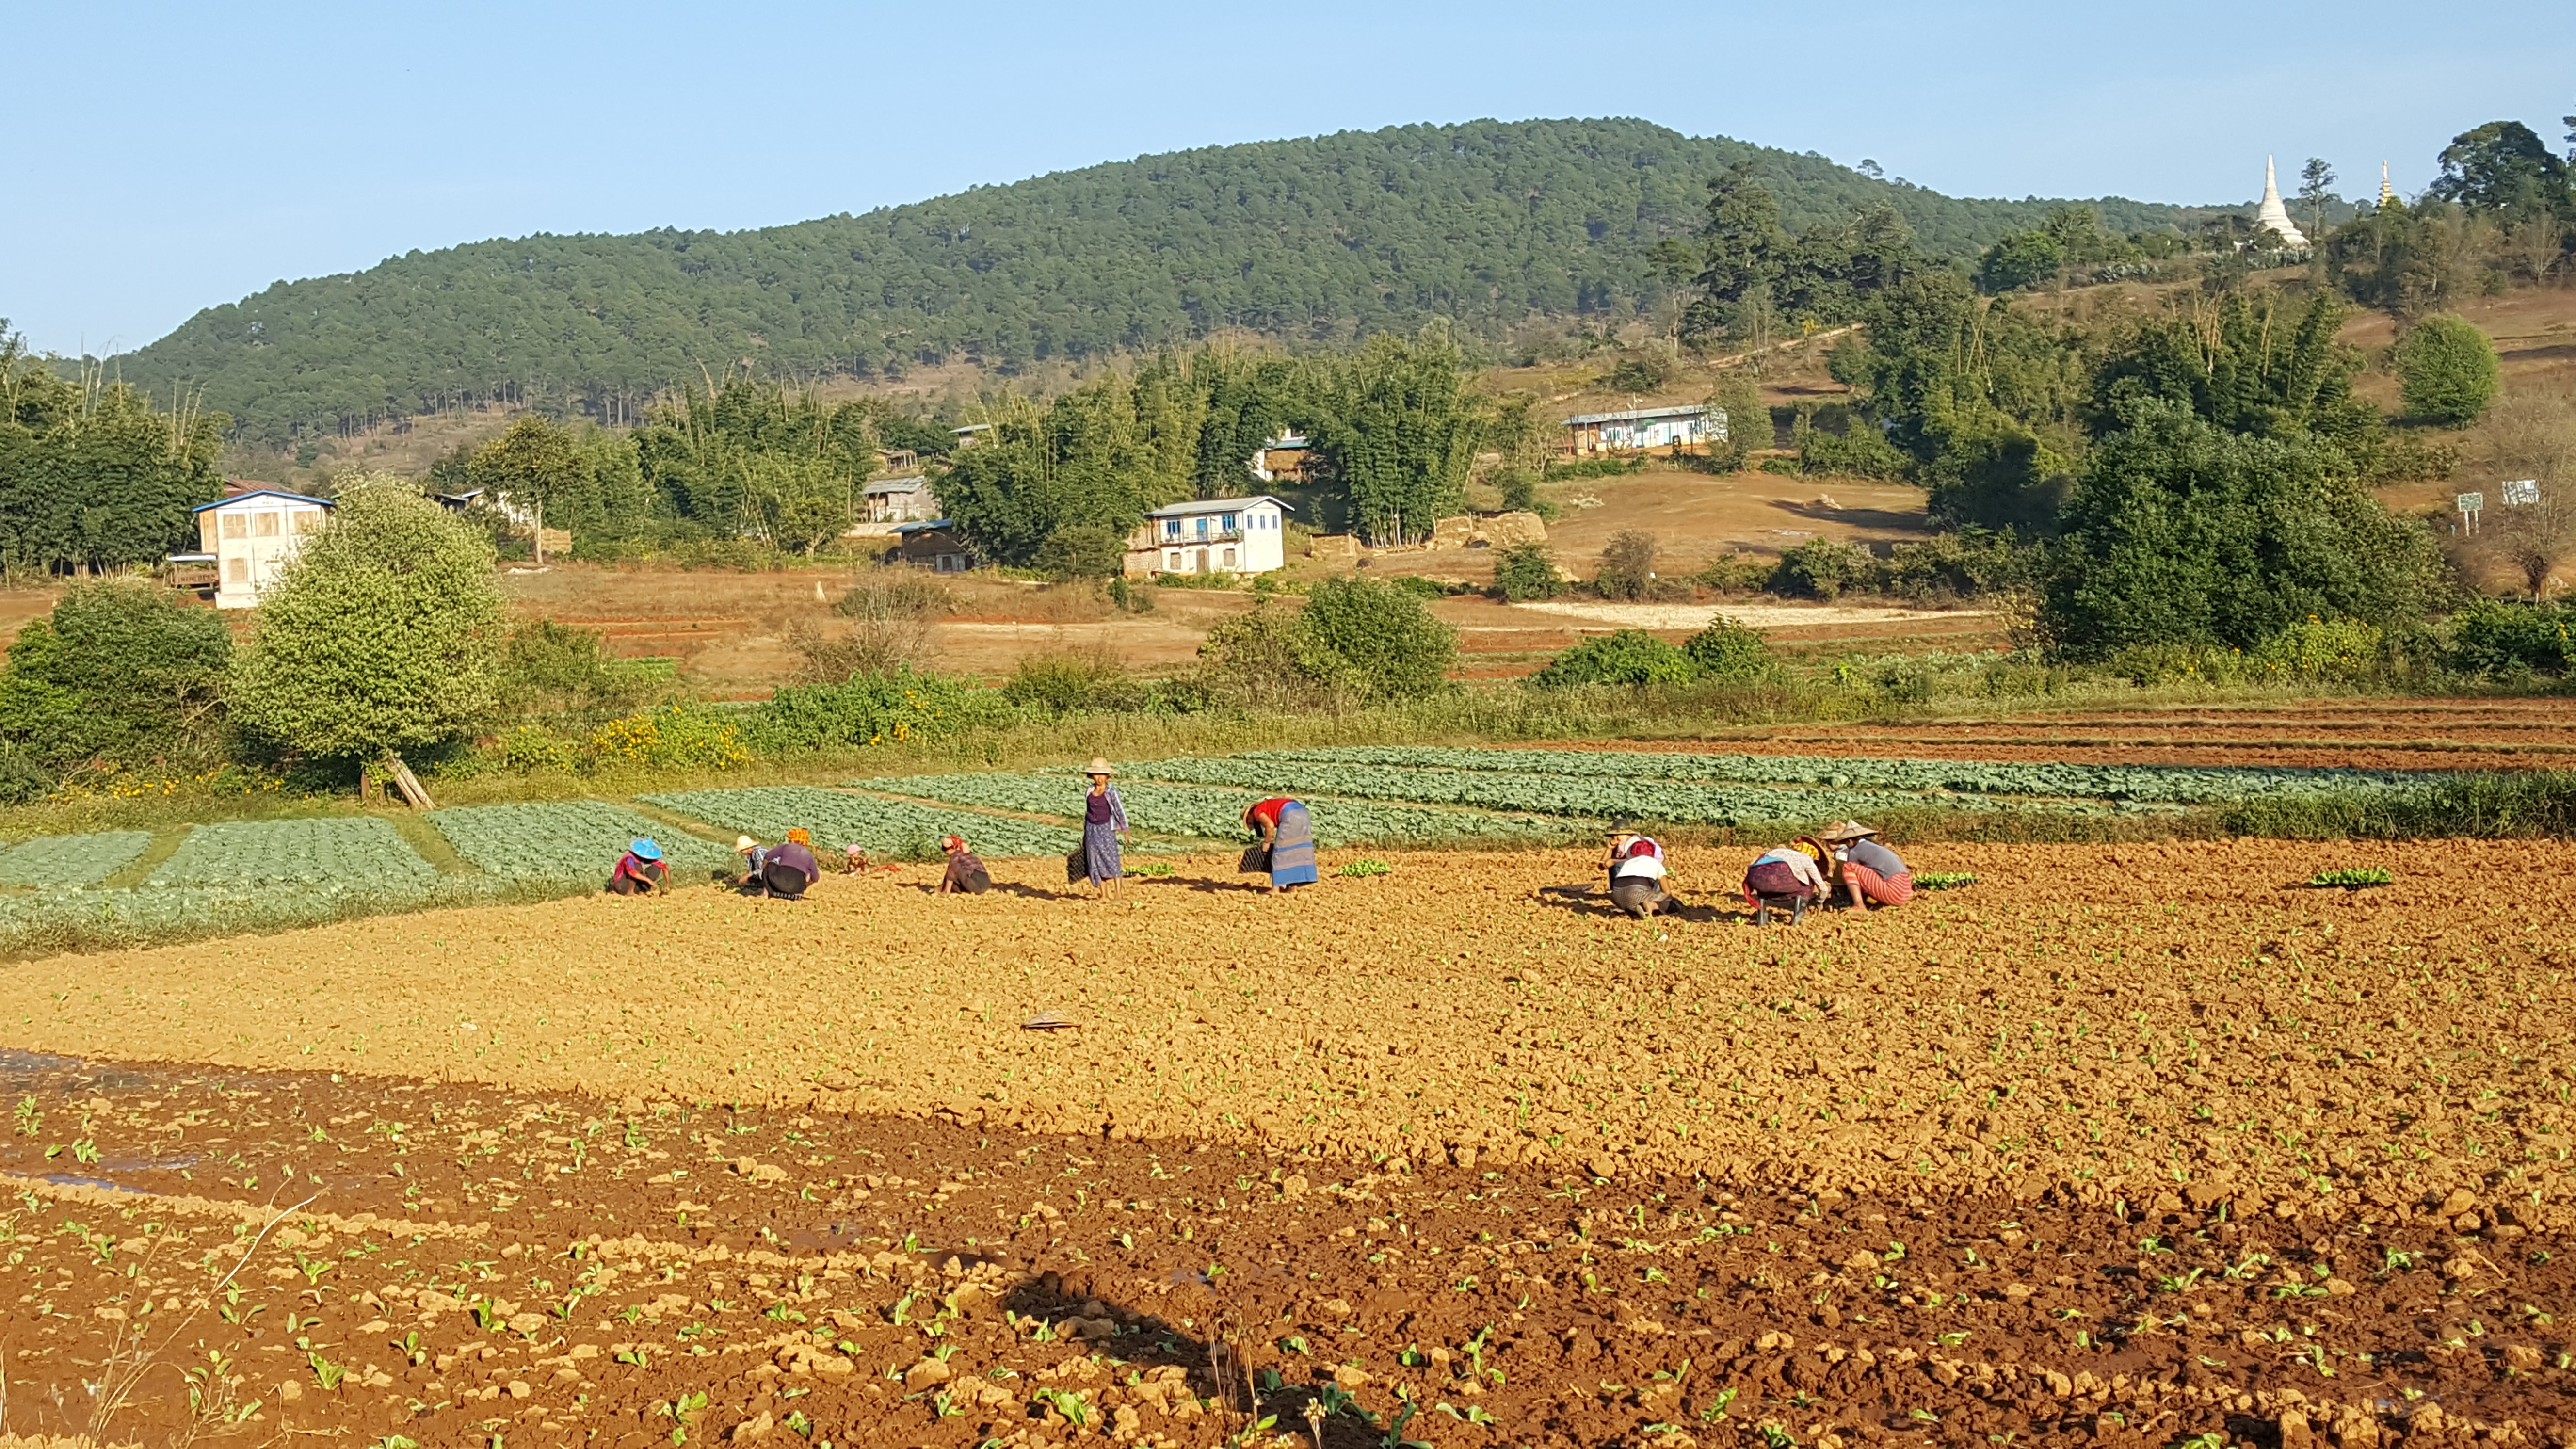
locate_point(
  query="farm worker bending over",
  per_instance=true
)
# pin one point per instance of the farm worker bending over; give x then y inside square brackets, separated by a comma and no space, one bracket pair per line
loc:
[783,871]
[1287,847]
[965,872]
[1104,820]
[1786,870]
[640,871]
[1637,872]
[1869,870]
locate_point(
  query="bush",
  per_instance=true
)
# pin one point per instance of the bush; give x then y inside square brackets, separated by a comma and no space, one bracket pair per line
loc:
[1860,451]
[533,748]
[1595,467]
[673,737]
[1631,656]
[1520,494]
[1639,372]
[1728,651]
[2341,650]
[1420,587]
[2182,532]
[1824,568]
[1081,551]
[1526,571]
[119,671]
[1267,659]
[1627,565]
[551,668]
[1385,637]
[1962,564]
[2447,371]
[1075,680]
[2491,636]
[1737,572]
[892,706]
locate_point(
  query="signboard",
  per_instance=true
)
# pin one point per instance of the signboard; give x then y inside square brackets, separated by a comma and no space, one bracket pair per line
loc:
[2470,505]
[2522,493]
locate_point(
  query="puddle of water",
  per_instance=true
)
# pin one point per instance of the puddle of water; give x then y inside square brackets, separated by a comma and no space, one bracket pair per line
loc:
[65,1179]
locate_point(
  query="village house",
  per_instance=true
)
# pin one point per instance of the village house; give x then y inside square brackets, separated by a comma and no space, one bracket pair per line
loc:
[1282,459]
[902,500]
[248,536]
[1210,536]
[931,544]
[1641,428]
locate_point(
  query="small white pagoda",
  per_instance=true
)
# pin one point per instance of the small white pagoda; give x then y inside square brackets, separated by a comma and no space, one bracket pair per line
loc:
[2276,216]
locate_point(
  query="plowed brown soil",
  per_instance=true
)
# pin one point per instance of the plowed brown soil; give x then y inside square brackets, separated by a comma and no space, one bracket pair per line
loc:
[2122,1145]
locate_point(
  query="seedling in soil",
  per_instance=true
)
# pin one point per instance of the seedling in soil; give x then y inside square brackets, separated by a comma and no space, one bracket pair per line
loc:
[1066,1403]
[325,1372]
[1365,866]
[2352,877]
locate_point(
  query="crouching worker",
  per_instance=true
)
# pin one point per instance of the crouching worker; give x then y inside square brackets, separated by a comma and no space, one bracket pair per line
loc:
[1637,873]
[1869,870]
[965,872]
[640,871]
[784,871]
[1790,875]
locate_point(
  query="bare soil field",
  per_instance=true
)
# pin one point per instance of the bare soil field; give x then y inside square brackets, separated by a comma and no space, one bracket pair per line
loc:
[2120,1145]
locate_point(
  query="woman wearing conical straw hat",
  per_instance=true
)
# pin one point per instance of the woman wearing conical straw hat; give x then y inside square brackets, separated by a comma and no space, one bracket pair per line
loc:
[1867,869]
[1104,821]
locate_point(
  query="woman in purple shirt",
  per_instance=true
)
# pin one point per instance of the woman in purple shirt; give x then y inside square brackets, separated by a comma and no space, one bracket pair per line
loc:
[1104,820]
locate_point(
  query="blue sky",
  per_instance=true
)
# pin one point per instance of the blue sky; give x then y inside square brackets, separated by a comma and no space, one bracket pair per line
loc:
[170,157]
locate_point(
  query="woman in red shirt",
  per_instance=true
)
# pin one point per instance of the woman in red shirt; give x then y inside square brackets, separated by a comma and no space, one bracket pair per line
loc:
[1287,834]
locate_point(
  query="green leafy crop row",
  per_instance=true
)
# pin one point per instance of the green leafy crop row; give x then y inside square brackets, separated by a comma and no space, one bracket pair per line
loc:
[1217,813]
[567,840]
[883,827]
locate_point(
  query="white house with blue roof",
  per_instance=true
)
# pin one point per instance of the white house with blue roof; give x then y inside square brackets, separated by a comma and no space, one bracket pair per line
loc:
[249,536]
[1211,536]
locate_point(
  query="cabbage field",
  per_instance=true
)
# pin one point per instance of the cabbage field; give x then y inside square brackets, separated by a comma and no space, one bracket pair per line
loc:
[363,851]
[71,860]
[2156,784]
[569,840]
[1217,813]
[881,827]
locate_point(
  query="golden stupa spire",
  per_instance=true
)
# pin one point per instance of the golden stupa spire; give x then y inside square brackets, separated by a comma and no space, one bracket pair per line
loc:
[2387,193]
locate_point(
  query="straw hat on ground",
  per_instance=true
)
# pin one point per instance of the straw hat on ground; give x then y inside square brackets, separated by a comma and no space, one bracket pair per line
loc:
[1844,831]
[1098,766]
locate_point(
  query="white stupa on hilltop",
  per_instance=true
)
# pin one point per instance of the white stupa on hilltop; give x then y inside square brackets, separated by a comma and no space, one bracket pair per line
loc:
[2276,216]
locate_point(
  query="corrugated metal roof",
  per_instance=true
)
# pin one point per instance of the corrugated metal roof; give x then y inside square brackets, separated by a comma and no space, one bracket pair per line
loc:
[1638,415]
[1213,505]
[263,493]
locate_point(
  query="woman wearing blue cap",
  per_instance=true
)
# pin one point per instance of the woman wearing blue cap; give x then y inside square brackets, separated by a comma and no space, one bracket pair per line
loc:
[640,871]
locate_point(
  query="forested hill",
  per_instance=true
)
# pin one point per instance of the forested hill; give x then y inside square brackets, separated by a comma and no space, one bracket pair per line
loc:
[1306,239]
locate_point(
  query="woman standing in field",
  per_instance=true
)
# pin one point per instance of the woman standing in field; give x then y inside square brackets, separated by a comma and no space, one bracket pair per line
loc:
[1287,846]
[1104,821]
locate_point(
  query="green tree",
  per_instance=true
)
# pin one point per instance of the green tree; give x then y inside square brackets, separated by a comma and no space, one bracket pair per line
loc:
[2024,259]
[586,482]
[120,672]
[380,636]
[2502,167]
[1385,637]
[2447,371]
[1081,551]
[1398,429]
[1736,401]
[2181,532]
[95,477]
[2316,193]
[1526,571]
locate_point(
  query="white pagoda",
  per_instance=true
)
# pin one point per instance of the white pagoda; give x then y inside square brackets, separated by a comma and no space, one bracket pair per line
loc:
[2276,216]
